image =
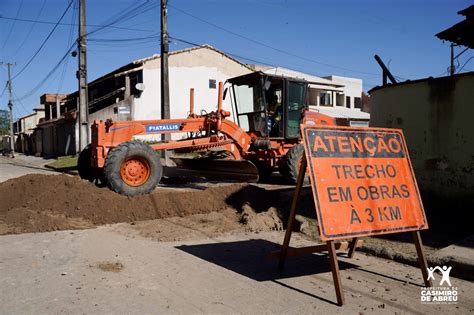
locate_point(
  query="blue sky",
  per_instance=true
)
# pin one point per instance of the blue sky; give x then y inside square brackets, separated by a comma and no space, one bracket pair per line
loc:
[338,37]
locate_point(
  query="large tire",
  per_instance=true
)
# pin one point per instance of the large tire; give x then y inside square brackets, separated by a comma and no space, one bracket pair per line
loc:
[292,162]
[133,168]
[84,166]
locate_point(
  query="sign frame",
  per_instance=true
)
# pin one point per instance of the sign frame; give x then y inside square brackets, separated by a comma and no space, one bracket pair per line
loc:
[330,245]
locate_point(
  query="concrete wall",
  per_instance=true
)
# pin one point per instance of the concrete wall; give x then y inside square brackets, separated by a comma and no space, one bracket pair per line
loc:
[56,139]
[28,123]
[112,112]
[436,117]
[48,141]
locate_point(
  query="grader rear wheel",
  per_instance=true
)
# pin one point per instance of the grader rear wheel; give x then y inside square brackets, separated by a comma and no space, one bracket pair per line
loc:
[133,168]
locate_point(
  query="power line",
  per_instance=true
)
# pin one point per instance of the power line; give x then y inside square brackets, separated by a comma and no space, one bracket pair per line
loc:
[137,9]
[129,13]
[135,48]
[13,25]
[44,41]
[112,40]
[29,31]
[21,104]
[465,63]
[4,89]
[226,52]
[237,56]
[48,75]
[71,32]
[73,24]
[266,45]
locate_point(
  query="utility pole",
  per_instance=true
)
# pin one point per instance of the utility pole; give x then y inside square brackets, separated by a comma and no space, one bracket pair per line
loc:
[10,107]
[451,66]
[165,89]
[82,76]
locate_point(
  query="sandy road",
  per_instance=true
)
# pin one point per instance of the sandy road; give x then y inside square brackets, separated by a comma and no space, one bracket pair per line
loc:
[124,268]
[22,165]
[113,269]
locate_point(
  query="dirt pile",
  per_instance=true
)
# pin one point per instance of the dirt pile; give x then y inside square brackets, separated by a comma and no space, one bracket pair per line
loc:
[37,203]
[263,221]
[40,203]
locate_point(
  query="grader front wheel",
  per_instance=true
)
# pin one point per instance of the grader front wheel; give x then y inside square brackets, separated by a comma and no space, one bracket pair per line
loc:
[133,168]
[292,163]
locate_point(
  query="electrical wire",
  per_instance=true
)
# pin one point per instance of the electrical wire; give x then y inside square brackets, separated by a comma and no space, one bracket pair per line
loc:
[113,40]
[465,63]
[266,45]
[48,75]
[13,25]
[44,42]
[130,12]
[237,56]
[73,24]
[226,52]
[15,99]
[29,31]
[122,49]
[4,89]
[69,42]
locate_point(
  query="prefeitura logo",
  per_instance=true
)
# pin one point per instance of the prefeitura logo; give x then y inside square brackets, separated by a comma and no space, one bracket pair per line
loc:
[440,294]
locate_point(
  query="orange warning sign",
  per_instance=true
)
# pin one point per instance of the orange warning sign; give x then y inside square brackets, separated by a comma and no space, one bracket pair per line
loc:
[363,183]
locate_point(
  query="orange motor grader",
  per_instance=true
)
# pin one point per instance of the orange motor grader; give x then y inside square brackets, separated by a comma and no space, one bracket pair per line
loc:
[265,137]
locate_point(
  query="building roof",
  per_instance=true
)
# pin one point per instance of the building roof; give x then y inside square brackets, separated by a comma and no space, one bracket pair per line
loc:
[469,11]
[137,64]
[421,80]
[300,75]
[181,51]
[461,33]
[341,112]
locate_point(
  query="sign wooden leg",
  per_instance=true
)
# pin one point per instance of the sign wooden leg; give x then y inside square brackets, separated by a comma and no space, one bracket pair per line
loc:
[335,273]
[352,248]
[291,218]
[421,258]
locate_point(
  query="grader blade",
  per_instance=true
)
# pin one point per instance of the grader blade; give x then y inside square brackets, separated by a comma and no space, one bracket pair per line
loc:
[241,170]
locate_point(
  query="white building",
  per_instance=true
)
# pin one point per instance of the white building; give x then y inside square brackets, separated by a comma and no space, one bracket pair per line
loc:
[24,128]
[135,90]
[27,123]
[200,68]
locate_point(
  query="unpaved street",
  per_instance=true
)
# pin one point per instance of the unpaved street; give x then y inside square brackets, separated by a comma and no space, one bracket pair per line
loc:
[114,269]
[178,250]
[21,165]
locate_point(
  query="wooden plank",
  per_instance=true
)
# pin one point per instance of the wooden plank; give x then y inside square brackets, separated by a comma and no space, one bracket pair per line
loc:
[421,258]
[335,272]
[352,247]
[291,218]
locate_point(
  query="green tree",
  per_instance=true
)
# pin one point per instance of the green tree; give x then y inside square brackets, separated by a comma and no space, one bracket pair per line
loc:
[4,123]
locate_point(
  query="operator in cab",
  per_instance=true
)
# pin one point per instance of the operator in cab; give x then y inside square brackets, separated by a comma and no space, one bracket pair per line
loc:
[274,116]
